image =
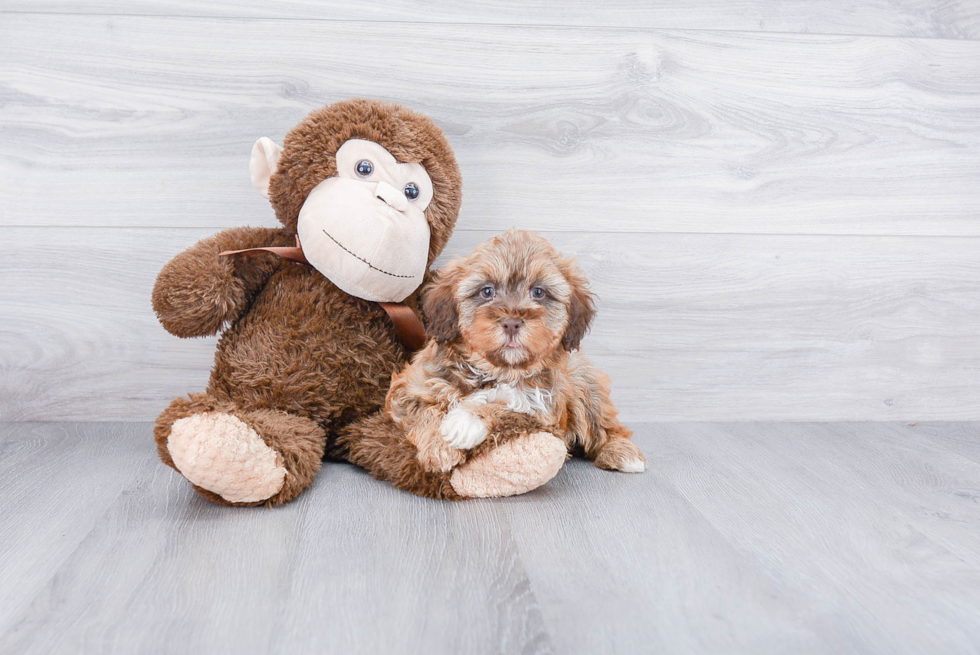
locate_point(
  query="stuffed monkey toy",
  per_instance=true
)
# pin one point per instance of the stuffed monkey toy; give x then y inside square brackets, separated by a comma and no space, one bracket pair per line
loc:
[315,316]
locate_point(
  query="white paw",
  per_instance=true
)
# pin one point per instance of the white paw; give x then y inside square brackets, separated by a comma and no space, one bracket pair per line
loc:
[462,430]
[635,465]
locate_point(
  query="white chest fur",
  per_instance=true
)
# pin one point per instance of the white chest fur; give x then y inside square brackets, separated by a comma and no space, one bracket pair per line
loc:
[526,400]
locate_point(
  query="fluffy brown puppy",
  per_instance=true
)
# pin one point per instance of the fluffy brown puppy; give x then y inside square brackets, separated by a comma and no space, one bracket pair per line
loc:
[501,374]
[302,354]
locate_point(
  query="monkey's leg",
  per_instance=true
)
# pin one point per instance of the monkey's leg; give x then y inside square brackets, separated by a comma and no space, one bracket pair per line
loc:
[511,461]
[519,455]
[380,447]
[238,457]
[516,466]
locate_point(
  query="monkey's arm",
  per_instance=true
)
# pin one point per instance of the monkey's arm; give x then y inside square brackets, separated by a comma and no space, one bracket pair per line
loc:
[198,291]
[502,421]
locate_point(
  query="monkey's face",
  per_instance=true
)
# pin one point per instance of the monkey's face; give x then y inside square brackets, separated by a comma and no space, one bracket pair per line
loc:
[365,229]
[372,190]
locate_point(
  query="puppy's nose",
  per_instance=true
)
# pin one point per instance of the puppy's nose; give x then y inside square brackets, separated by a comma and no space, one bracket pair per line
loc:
[395,198]
[511,326]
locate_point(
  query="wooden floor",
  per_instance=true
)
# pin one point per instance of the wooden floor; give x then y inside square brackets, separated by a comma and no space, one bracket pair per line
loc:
[742,537]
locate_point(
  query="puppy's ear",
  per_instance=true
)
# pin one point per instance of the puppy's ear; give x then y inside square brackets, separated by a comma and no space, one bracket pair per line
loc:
[439,306]
[581,308]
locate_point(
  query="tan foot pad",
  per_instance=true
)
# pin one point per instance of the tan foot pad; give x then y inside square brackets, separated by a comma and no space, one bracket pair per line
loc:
[514,468]
[222,454]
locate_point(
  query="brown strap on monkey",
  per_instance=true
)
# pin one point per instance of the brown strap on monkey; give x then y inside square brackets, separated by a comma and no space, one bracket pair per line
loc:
[293,254]
[408,327]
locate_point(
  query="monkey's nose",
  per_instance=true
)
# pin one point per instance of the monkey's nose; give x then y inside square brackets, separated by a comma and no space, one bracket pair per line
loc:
[395,198]
[511,326]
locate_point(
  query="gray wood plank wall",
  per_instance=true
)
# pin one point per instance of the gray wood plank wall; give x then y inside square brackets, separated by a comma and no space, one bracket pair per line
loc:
[777,203]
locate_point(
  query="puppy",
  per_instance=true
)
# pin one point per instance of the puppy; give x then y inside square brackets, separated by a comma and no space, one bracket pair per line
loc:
[505,324]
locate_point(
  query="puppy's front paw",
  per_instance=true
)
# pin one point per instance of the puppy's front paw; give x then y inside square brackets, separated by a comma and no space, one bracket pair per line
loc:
[463,430]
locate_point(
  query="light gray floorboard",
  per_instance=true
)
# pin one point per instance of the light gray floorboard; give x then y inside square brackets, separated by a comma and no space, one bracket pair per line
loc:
[920,18]
[745,537]
[963,442]
[823,526]
[707,327]
[149,121]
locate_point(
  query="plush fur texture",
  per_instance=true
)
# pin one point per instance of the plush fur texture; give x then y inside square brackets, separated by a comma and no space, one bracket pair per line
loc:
[298,442]
[516,467]
[309,148]
[499,370]
[298,359]
[378,445]
[222,453]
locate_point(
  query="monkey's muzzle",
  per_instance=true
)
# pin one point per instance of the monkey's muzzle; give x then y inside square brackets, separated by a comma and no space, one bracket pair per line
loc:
[373,250]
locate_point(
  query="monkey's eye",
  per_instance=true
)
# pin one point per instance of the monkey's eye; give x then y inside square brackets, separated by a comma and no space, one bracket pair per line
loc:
[364,168]
[487,292]
[411,191]
[537,293]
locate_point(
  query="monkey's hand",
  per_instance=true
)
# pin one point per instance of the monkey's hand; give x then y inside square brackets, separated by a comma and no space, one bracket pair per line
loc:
[198,291]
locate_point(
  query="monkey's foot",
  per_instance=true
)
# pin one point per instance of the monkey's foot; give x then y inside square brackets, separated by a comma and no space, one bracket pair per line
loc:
[222,454]
[516,467]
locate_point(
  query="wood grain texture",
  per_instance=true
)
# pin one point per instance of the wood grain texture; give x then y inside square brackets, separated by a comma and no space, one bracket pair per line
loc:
[780,225]
[961,441]
[56,482]
[125,121]
[846,563]
[802,508]
[958,19]
[710,327]
[742,538]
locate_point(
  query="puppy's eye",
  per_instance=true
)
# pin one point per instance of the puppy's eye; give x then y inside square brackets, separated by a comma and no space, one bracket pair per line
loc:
[364,168]
[537,293]
[411,191]
[487,292]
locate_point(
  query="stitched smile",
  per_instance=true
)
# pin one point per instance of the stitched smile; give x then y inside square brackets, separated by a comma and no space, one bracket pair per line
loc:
[370,265]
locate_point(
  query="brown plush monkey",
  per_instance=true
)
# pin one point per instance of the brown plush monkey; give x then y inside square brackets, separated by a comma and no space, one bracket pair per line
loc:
[371,191]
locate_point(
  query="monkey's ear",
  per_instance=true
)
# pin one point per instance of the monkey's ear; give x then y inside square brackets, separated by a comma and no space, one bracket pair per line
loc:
[439,307]
[262,165]
[581,309]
